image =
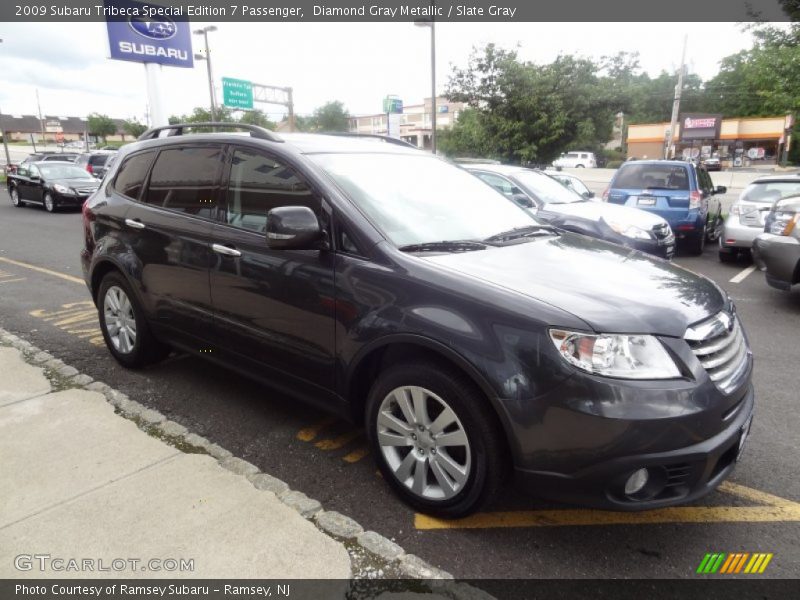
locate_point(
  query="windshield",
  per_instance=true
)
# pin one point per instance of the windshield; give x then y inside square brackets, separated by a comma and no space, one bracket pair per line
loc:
[64,172]
[572,183]
[546,189]
[417,199]
[667,177]
[771,191]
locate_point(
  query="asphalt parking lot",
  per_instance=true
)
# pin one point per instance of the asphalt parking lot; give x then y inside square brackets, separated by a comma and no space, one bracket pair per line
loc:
[44,300]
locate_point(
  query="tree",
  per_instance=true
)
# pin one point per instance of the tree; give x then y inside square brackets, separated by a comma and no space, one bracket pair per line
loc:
[257,117]
[133,127]
[332,116]
[530,113]
[101,125]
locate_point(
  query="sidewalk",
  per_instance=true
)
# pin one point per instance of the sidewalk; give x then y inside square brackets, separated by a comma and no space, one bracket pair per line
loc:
[82,482]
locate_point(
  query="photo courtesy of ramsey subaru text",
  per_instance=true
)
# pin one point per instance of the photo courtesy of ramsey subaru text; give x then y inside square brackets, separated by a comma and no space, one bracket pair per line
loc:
[472,341]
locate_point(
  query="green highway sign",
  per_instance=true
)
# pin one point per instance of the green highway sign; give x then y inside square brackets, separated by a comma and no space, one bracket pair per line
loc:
[237,93]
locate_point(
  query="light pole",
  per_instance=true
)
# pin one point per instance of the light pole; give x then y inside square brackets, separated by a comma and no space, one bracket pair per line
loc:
[430,23]
[3,133]
[204,32]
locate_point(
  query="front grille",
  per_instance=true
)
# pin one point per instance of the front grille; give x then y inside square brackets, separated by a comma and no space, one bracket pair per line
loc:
[719,345]
[85,191]
[663,234]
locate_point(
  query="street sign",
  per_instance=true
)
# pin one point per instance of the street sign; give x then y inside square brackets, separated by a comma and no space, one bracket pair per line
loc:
[148,39]
[237,93]
[392,104]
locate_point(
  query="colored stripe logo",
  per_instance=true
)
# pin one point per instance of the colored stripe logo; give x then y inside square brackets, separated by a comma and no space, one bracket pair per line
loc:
[737,562]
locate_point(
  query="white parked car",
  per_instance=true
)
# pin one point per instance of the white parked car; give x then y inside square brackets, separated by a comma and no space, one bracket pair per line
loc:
[576,160]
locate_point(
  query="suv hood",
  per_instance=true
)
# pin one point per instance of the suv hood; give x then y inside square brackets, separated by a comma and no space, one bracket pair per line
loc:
[602,210]
[611,288]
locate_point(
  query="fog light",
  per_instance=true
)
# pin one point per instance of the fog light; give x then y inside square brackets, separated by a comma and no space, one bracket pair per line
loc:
[636,481]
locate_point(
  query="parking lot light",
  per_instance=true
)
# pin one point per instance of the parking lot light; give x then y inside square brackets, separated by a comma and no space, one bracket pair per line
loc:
[204,32]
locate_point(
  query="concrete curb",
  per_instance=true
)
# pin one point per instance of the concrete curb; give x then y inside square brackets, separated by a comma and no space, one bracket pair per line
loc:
[377,556]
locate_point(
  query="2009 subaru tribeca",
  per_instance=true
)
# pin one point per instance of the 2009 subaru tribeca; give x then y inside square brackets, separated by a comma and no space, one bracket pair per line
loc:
[388,286]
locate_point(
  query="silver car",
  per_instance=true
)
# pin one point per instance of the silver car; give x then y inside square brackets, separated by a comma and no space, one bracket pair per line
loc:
[777,250]
[746,218]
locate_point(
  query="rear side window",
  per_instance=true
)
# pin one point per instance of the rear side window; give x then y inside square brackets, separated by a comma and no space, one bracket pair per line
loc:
[258,184]
[667,177]
[186,180]
[132,173]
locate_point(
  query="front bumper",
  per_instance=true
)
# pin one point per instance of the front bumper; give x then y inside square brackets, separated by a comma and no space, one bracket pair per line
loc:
[779,256]
[737,235]
[679,475]
[661,248]
[69,199]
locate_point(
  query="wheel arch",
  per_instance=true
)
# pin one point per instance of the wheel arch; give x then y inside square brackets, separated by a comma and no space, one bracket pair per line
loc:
[392,349]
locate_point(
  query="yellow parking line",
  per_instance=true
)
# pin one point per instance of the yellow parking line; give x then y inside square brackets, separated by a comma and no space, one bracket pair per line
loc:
[42,270]
[309,433]
[742,491]
[356,455]
[339,441]
[12,280]
[556,518]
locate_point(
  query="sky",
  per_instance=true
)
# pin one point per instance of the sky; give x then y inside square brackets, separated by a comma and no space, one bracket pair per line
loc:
[355,63]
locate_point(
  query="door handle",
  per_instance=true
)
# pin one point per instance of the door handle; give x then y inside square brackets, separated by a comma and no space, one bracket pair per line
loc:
[225,250]
[134,224]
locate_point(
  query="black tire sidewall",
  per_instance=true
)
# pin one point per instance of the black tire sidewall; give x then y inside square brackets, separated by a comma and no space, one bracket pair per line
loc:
[470,407]
[135,358]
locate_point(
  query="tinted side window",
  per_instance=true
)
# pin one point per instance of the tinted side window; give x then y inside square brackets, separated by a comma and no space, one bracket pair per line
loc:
[186,180]
[132,173]
[98,159]
[258,184]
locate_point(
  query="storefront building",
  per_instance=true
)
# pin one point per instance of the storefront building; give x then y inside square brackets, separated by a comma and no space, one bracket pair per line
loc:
[741,142]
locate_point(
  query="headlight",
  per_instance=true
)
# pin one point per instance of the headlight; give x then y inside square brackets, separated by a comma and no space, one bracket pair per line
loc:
[612,355]
[630,231]
[62,189]
[783,223]
[735,210]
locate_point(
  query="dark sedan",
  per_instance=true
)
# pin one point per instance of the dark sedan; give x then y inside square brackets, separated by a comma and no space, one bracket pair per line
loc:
[50,184]
[567,210]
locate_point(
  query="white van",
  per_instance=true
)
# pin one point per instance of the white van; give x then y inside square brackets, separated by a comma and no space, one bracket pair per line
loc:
[576,160]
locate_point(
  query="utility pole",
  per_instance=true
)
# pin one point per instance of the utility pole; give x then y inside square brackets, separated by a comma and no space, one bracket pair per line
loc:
[290,106]
[676,103]
[3,133]
[41,121]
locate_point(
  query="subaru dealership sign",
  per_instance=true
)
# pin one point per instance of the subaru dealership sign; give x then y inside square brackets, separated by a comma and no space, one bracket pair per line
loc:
[147,37]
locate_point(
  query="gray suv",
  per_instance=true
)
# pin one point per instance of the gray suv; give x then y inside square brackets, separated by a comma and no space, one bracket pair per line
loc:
[397,290]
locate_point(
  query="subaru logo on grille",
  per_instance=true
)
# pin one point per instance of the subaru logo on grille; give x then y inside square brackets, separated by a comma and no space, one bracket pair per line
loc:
[162,29]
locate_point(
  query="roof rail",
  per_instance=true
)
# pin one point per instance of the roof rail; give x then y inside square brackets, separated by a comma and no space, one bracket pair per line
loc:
[383,138]
[178,129]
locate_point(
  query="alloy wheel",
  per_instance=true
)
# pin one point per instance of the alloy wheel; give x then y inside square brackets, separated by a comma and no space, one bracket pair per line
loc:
[119,319]
[424,443]
[14,196]
[48,203]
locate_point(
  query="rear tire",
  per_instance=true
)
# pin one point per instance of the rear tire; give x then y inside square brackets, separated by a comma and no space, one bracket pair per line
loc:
[125,329]
[407,420]
[697,243]
[15,197]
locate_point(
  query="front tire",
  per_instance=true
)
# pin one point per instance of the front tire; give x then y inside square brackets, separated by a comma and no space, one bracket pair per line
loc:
[436,441]
[124,327]
[49,203]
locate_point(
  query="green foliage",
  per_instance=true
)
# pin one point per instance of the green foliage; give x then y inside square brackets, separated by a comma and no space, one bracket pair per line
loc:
[257,117]
[331,116]
[133,127]
[614,164]
[101,125]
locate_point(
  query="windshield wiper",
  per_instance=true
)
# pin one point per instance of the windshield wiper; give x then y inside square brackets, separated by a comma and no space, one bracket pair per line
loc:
[444,246]
[522,232]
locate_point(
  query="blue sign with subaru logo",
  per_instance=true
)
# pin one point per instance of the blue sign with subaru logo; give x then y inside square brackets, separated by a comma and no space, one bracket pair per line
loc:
[146,36]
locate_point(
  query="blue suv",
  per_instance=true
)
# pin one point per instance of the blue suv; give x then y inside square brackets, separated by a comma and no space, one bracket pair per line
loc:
[678,191]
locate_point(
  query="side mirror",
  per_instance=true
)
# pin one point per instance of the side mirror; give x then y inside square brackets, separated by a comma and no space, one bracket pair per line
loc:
[721,189]
[588,194]
[523,200]
[293,228]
